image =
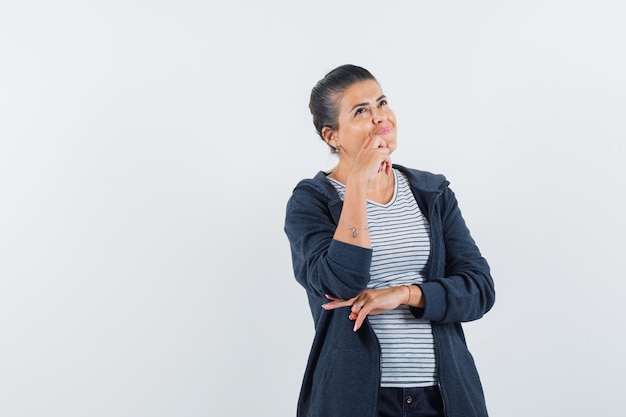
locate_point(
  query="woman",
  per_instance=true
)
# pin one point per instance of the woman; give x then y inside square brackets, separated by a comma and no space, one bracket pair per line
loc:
[389,268]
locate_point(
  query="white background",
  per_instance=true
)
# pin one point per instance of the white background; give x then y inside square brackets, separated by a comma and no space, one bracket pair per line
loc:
[148,148]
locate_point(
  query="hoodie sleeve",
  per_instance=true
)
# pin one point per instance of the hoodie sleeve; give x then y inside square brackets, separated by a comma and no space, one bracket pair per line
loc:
[462,288]
[321,264]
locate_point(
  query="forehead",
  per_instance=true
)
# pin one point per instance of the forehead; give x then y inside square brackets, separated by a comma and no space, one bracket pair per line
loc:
[362,92]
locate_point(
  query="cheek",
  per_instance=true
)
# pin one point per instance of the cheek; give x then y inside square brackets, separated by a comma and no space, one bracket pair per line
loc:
[357,131]
[393,142]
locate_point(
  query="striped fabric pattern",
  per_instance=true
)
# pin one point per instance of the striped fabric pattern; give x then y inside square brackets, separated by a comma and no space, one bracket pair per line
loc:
[401,245]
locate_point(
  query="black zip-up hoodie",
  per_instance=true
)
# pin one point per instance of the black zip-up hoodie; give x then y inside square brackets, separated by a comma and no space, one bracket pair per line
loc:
[342,376]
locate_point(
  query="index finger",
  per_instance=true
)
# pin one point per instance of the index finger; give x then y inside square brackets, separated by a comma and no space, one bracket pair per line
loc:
[375,140]
[337,303]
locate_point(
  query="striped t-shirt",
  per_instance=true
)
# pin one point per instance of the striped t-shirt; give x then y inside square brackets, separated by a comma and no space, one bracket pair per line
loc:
[401,245]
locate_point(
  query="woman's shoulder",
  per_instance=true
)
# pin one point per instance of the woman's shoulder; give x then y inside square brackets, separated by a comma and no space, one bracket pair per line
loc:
[316,185]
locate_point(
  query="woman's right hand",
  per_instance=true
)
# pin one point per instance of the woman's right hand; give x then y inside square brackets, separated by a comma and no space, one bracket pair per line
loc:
[372,159]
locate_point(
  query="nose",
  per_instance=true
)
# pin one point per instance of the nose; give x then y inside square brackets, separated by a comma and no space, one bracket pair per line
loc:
[379,116]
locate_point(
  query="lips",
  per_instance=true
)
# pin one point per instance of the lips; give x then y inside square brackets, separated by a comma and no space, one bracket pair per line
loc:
[383,131]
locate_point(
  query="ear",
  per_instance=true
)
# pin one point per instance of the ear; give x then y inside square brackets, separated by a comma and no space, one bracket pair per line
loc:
[330,136]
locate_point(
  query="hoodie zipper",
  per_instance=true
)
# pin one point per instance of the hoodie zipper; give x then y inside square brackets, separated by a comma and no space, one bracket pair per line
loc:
[435,333]
[441,392]
[380,365]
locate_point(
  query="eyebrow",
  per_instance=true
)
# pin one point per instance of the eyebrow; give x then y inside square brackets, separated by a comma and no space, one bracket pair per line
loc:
[366,103]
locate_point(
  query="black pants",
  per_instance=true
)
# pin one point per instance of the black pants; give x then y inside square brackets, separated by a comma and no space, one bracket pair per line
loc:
[410,402]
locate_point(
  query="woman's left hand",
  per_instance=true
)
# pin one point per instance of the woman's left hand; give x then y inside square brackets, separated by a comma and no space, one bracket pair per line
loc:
[370,301]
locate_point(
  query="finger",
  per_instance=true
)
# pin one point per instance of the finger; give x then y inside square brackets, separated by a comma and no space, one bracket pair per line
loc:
[385,166]
[337,303]
[353,315]
[374,142]
[360,318]
[369,141]
[378,142]
[350,301]
[356,307]
[359,321]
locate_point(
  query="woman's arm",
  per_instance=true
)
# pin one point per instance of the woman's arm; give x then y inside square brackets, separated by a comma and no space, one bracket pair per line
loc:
[322,264]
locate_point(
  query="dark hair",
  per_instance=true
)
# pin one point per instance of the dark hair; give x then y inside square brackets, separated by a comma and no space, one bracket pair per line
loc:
[326,94]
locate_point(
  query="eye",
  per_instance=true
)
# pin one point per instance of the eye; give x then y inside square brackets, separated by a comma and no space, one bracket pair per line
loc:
[382,103]
[359,111]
